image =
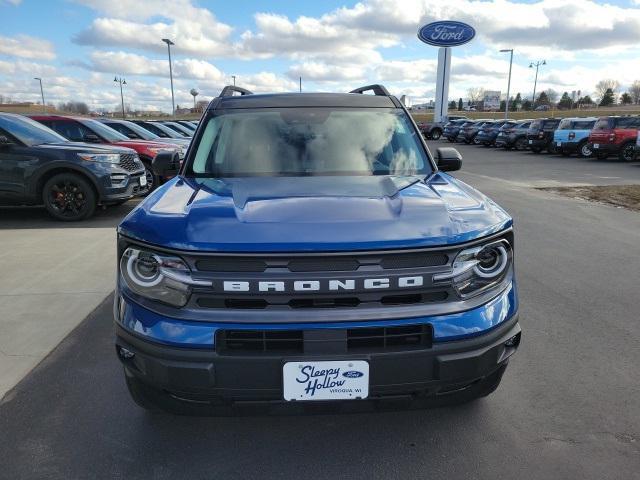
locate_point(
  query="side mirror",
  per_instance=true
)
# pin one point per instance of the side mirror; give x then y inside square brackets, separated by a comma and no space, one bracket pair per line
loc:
[91,138]
[166,164]
[448,159]
[5,142]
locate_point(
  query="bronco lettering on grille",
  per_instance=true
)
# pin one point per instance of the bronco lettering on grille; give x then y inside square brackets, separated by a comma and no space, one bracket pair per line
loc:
[332,285]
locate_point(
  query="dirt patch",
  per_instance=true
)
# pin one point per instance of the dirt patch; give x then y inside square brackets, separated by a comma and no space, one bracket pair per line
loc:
[626,196]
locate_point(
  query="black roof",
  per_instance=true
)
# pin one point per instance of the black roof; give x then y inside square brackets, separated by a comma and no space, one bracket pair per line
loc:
[304,100]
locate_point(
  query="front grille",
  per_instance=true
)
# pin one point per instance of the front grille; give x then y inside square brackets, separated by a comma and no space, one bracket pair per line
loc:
[351,340]
[129,162]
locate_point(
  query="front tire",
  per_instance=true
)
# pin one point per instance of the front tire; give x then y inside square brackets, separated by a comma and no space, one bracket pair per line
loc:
[584,150]
[69,197]
[436,134]
[627,153]
[521,144]
[153,180]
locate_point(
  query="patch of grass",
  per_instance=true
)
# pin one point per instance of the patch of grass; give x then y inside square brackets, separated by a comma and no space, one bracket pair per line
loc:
[626,196]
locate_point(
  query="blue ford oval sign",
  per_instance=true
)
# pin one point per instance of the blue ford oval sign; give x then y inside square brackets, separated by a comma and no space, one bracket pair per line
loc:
[446,33]
[352,374]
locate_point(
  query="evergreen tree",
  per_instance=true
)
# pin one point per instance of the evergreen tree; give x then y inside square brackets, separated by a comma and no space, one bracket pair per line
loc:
[516,102]
[526,105]
[452,105]
[543,99]
[607,98]
[565,101]
[625,99]
[460,104]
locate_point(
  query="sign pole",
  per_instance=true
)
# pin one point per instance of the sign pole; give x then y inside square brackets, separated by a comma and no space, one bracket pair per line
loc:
[440,112]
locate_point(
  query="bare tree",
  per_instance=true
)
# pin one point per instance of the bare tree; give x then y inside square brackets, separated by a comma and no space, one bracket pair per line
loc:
[603,85]
[475,94]
[552,95]
[634,91]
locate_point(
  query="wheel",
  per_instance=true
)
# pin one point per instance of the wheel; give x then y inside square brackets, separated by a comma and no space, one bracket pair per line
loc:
[436,133]
[69,197]
[628,153]
[153,180]
[536,149]
[584,150]
[521,143]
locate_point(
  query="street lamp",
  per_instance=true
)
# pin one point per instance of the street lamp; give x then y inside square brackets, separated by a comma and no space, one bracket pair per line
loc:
[121,81]
[44,109]
[234,80]
[537,65]
[506,110]
[173,102]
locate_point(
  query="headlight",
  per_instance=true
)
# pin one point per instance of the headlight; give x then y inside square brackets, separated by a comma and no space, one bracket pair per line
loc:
[157,150]
[101,157]
[478,269]
[158,277]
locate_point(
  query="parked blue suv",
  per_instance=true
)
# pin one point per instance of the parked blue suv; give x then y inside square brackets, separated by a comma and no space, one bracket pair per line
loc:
[572,136]
[311,248]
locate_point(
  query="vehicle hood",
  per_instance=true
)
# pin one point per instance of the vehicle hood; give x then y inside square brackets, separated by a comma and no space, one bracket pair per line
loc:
[313,214]
[86,147]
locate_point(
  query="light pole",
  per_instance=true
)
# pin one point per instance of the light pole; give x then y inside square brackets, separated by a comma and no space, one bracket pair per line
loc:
[173,102]
[44,109]
[300,84]
[506,109]
[234,80]
[121,81]
[535,83]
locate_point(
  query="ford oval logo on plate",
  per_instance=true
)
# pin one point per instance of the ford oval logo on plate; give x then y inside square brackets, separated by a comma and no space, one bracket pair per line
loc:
[352,374]
[446,33]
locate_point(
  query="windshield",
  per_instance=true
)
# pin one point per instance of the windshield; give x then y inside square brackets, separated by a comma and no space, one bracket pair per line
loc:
[178,128]
[142,132]
[308,142]
[162,130]
[29,131]
[107,133]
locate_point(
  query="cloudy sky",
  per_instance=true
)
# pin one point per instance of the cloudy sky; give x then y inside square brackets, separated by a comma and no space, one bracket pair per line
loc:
[77,46]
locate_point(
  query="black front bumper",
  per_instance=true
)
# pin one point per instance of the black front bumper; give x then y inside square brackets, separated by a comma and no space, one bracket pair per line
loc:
[199,374]
[540,143]
[608,148]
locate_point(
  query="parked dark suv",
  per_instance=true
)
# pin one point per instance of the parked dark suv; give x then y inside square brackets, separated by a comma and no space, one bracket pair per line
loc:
[469,130]
[489,132]
[513,135]
[434,130]
[38,166]
[540,134]
[452,129]
[615,136]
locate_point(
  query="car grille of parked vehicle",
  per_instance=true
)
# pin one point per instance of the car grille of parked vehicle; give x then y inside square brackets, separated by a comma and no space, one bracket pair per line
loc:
[130,162]
[295,342]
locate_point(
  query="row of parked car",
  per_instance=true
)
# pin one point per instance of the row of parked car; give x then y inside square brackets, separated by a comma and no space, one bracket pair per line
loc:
[586,136]
[72,165]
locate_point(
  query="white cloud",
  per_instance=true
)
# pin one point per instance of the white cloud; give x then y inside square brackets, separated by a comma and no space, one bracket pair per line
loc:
[26,46]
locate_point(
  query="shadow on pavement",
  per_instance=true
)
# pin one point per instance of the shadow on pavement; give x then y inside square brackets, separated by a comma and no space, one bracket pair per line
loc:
[37,217]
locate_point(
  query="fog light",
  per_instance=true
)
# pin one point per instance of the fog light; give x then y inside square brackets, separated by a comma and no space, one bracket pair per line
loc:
[125,354]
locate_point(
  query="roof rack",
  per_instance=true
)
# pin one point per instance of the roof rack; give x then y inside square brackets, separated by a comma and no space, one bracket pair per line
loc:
[229,89]
[377,89]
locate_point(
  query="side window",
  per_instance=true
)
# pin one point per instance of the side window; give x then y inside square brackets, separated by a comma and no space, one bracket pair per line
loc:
[73,131]
[11,138]
[123,129]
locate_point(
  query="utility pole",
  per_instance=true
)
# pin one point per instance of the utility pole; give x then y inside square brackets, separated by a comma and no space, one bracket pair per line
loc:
[506,109]
[300,84]
[234,80]
[535,83]
[121,81]
[44,108]
[173,102]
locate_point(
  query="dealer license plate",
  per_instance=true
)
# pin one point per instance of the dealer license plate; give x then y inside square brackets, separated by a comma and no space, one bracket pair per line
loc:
[530,142]
[559,144]
[143,181]
[596,145]
[331,380]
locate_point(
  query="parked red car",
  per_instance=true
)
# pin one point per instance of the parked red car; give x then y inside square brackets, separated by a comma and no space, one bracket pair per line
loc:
[615,136]
[79,129]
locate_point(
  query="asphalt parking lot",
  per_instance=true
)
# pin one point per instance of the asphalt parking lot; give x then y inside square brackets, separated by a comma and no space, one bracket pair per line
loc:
[568,406]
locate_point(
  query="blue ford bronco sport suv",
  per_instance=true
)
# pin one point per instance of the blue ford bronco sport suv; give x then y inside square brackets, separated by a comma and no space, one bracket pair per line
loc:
[309,248]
